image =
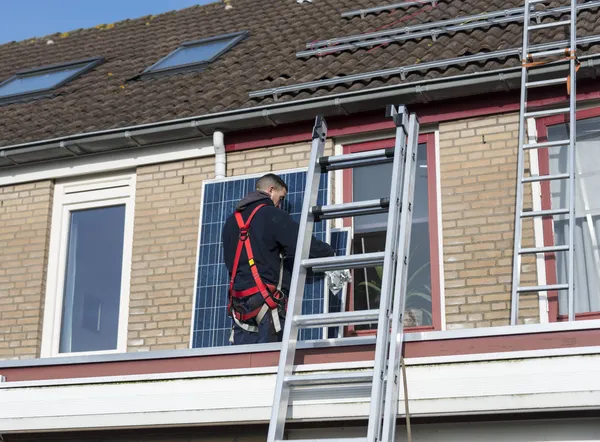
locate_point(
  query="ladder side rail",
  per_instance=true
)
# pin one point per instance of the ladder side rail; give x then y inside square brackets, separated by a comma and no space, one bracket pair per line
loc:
[400,118]
[400,289]
[290,332]
[572,142]
[514,311]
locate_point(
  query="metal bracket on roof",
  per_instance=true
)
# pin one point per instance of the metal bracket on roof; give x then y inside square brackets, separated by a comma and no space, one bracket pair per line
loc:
[402,74]
[266,116]
[398,35]
[434,34]
[2,379]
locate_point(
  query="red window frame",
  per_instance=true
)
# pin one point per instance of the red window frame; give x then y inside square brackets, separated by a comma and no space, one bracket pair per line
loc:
[429,140]
[542,125]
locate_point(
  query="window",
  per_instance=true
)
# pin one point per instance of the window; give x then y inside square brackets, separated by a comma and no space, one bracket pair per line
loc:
[554,160]
[196,55]
[422,302]
[33,82]
[89,266]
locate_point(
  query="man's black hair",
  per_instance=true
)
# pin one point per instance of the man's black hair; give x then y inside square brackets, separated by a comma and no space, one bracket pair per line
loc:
[270,179]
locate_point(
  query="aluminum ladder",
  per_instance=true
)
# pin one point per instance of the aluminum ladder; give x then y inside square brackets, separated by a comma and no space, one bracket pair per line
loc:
[533,60]
[384,378]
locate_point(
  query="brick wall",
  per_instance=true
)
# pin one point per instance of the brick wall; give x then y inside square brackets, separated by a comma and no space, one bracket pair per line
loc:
[25,216]
[478,184]
[165,239]
[271,159]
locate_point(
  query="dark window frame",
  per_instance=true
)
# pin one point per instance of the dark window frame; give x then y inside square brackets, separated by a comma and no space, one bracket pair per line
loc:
[87,65]
[235,37]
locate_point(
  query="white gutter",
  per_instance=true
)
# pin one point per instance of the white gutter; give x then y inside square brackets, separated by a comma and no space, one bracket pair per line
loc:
[220,157]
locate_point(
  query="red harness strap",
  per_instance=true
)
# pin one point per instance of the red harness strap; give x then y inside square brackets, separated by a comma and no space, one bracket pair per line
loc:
[269,292]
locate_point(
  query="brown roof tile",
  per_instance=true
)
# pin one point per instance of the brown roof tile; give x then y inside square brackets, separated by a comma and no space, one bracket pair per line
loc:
[110,96]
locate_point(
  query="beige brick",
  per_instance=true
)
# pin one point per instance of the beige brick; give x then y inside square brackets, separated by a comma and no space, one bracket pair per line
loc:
[25,216]
[477,217]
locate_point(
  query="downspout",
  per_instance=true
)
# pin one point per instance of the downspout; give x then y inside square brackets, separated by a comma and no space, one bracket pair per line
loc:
[220,159]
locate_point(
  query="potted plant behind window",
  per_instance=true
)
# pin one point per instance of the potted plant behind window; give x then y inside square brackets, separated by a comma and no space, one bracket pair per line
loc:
[414,315]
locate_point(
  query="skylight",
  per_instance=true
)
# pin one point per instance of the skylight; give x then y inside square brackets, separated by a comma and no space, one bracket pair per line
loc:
[34,82]
[195,55]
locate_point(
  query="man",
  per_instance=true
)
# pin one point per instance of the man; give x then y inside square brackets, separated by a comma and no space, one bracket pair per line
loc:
[257,239]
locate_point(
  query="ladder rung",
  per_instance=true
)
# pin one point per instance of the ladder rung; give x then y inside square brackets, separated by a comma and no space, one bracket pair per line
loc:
[532,179]
[550,212]
[340,318]
[544,249]
[542,54]
[546,144]
[351,209]
[354,377]
[549,25]
[531,2]
[541,83]
[359,260]
[543,288]
[562,110]
[345,439]
[357,159]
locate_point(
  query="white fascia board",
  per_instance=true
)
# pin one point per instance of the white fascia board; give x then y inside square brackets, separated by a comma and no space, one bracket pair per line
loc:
[108,162]
[491,387]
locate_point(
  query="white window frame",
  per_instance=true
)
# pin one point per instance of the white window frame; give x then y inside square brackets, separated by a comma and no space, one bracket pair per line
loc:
[77,194]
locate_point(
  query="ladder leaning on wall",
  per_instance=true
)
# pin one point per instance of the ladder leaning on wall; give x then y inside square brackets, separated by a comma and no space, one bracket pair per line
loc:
[384,378]
[555,53]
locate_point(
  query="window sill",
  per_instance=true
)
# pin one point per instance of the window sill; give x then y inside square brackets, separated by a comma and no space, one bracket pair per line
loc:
[423,328]
[580,317]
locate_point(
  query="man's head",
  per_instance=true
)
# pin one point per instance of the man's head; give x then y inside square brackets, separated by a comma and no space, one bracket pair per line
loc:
[274,186]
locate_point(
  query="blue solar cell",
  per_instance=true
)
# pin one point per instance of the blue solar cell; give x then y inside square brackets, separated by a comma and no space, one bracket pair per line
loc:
[339,242]
[211,324]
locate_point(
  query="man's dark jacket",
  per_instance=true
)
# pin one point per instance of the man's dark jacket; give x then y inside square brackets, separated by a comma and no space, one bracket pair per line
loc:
[272,231]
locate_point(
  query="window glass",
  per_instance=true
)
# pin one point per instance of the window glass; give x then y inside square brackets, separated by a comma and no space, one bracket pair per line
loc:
[92,289]
[373,182]
[193,54]
[587,212]
[35,81]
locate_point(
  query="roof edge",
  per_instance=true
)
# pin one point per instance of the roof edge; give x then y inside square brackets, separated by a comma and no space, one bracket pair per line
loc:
[276,114]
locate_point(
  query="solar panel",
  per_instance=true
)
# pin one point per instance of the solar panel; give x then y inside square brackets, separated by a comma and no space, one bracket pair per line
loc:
[340,241]
[211,326]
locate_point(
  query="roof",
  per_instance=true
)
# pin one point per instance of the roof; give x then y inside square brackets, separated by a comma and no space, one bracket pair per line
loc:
[112,95]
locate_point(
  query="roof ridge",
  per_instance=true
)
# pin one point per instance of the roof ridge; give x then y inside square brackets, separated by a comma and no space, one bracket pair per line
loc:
[108,26]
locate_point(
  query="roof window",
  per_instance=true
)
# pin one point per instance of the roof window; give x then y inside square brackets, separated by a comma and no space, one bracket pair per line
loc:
[196,55]
[37,82]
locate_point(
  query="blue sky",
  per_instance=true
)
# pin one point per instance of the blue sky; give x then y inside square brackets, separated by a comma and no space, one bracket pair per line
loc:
[23,19]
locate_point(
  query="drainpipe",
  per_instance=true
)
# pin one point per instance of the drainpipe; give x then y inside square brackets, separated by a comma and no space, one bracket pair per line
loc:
[220,160]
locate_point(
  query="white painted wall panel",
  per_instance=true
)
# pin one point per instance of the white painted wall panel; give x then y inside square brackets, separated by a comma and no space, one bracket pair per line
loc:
[494,386]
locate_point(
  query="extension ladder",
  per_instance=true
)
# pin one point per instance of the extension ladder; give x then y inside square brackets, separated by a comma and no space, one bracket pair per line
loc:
[385,376]
[532,60]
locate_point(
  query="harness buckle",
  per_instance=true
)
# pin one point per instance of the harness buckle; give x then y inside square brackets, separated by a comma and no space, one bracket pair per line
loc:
[244,234]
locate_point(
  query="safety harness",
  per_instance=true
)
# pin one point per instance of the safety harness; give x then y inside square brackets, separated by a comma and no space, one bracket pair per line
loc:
[271,294]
